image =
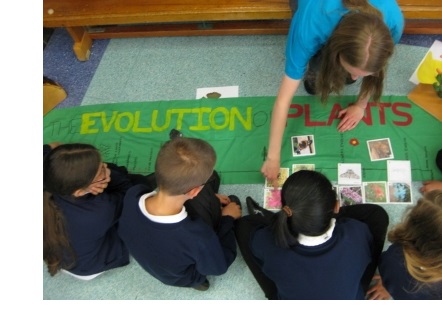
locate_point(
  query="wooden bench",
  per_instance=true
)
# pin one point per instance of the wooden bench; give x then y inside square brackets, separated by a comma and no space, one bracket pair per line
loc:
[86,20]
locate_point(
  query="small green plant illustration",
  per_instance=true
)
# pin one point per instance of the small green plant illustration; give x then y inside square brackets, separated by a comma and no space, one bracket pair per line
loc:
[438,84]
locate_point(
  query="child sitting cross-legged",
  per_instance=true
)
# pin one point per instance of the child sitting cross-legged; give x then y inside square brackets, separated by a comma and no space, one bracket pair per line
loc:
[174,246]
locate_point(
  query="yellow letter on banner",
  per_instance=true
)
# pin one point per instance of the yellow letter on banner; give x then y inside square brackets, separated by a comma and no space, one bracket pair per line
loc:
[137,123]
[130,123]
[155,127]
[86,122]
[247,124]
[200,124]
[223,111]
[107,125]
[179,120]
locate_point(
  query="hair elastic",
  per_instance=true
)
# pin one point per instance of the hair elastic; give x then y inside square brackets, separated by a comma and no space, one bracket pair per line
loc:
[288,211]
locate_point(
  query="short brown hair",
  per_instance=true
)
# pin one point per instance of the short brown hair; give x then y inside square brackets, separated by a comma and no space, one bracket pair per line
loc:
[184,163]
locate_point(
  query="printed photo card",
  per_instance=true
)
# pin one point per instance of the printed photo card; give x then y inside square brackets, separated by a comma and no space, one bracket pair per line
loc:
[272,199]
[375,192]
[272,192]
[350,195]
[399,181]
[282,176]
[297,167]
[350,184]
[380,149]
[349,174]
[303,145]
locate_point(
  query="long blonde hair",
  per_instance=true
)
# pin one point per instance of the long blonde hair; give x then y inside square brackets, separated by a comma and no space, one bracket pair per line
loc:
[364,41]
[420,236]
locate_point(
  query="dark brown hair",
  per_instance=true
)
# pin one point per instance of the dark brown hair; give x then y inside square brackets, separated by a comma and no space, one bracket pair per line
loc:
[66,168]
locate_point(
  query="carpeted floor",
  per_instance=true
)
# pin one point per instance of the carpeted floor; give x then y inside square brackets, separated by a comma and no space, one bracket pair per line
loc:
[152,69]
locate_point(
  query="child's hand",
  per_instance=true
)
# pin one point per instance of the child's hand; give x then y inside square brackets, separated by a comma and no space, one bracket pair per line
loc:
[378,291]
[225,200]
[429,186]
[97,188]
[270,170]
[232,209]
[350,117]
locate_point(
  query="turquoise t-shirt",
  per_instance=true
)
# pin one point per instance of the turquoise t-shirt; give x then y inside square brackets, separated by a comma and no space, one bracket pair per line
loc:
[314,22]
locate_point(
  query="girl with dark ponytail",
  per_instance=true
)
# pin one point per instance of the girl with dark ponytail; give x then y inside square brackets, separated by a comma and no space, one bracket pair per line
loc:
[312,248]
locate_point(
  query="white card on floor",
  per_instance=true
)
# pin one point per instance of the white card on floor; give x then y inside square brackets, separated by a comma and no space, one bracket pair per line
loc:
[217,92]
[398,170]
[399,181]
[349,174]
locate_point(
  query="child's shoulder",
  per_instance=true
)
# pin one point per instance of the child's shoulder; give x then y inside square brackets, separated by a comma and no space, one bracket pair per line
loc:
[199,229]
[352,226]
[135,192]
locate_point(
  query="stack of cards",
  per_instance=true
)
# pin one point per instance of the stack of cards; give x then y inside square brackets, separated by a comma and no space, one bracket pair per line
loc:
[350,184]
[399,181]
[272,192]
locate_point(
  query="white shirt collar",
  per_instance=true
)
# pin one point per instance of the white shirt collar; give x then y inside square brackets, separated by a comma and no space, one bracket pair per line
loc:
[164,219]
[317,240]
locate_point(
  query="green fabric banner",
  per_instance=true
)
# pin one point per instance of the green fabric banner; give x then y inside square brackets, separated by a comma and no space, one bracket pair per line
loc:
[130,134]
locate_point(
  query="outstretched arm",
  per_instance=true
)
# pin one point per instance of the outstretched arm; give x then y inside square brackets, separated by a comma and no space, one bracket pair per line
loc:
[287,90]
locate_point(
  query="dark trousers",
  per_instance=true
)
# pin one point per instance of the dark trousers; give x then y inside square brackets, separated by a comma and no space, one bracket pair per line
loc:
[373,215]
[245,228]
[206,205]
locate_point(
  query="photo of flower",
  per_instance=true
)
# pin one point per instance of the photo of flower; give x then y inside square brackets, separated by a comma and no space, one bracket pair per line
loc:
[375,192]
[272,199]
[350,195]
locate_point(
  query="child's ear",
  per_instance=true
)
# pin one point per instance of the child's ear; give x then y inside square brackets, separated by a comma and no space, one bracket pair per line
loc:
[195,191]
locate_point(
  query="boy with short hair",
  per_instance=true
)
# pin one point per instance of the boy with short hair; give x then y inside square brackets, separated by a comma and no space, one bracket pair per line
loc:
[175,248]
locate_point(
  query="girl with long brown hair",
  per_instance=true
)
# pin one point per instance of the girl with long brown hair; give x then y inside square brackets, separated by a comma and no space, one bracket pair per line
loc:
[82,202]
[332,43]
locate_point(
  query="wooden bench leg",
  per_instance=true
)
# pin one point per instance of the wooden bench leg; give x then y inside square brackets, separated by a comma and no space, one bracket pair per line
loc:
[82,42]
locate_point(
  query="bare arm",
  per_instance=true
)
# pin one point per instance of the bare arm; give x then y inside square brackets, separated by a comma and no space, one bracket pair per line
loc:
[287,90]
